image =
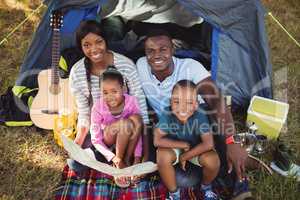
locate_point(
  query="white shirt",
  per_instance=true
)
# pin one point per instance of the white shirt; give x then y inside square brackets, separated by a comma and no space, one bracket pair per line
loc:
[158,93]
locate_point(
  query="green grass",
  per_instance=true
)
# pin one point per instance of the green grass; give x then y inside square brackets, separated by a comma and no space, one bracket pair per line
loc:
[31,163]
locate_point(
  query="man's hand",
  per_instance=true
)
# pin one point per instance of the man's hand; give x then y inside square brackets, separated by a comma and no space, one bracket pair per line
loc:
[236,157]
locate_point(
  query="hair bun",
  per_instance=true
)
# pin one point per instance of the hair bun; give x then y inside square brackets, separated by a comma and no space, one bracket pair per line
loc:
[111,69]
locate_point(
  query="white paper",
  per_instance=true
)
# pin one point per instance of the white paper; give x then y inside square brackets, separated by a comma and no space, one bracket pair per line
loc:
[85,158]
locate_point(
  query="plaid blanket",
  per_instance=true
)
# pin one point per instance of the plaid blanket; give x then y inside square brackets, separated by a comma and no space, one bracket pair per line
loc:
[94,185]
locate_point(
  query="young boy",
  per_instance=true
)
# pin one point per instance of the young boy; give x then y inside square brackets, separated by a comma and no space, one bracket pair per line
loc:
[183,134]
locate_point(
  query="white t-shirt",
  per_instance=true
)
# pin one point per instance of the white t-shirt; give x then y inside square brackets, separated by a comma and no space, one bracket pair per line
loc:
[158,93]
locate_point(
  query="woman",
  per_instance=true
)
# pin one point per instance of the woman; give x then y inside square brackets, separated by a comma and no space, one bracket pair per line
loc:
[84,76]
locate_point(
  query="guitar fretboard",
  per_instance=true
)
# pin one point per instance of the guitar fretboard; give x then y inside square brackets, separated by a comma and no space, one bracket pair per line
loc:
[55,56]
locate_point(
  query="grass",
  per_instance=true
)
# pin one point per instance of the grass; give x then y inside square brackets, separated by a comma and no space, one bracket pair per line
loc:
[31,162]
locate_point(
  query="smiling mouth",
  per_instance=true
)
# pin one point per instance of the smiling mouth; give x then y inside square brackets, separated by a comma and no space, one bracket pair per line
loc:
[97,56]
[183,114]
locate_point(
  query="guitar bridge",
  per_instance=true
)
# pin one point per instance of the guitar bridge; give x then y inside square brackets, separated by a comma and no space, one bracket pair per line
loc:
[50,112]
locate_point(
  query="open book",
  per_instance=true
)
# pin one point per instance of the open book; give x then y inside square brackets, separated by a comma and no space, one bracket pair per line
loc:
[84,157]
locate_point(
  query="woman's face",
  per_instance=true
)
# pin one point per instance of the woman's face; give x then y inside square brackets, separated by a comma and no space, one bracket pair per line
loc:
[94,47]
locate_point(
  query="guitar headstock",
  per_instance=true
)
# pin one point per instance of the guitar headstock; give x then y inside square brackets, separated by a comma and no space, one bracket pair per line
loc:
[56,20]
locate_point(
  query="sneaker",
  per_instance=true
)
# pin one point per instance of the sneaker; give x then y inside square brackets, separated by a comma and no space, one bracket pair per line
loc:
[210,195]
[283,157]
[293,171]
[241,190]
[76,166]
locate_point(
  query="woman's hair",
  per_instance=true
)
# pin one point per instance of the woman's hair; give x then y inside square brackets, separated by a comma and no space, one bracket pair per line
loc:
[86,27]
[111,73]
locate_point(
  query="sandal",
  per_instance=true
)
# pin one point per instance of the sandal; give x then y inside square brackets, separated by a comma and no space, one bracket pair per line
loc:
[122,181]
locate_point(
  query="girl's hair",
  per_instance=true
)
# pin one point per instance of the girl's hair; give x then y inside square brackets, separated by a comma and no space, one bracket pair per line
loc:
[111,73]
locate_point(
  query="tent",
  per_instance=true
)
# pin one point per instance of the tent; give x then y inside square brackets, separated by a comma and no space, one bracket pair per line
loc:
[240,62]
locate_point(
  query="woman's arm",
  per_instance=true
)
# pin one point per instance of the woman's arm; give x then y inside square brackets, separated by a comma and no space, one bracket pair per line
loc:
[82,104]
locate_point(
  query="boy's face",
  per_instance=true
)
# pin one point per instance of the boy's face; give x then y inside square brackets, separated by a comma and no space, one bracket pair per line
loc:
[112,93]
[184,102]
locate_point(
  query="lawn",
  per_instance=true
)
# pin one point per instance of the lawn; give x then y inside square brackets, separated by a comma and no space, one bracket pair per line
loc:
[31,162]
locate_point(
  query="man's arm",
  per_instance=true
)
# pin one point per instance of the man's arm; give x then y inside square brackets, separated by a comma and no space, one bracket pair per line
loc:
[161,141]
[236,155]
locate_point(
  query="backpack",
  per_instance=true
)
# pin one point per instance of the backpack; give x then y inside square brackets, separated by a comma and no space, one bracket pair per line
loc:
[67,59]
[15,104]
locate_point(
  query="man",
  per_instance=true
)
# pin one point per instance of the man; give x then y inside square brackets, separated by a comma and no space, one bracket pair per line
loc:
[159,71]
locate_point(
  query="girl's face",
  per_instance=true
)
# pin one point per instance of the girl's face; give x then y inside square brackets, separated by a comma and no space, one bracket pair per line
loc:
[94,47]
[112,93]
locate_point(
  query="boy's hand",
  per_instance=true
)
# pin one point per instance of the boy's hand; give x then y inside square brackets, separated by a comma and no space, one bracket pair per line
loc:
[182,160]
[187,147]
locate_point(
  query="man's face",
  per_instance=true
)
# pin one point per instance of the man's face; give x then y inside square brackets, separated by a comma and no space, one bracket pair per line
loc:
[184,102]
[159,52]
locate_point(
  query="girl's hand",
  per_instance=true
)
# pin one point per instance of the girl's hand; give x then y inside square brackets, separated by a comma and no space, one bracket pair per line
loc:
[136,160]
[116,160]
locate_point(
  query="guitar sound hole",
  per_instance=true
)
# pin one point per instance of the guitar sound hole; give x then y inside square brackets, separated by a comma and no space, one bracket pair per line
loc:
[50,112]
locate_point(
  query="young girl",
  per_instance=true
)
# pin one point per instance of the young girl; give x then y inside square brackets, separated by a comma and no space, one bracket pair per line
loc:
[116,122]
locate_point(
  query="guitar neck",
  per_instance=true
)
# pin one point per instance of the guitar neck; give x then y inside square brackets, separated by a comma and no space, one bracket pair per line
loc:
[55,56]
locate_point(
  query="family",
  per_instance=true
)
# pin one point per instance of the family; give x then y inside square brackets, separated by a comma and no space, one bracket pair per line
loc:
[114,95]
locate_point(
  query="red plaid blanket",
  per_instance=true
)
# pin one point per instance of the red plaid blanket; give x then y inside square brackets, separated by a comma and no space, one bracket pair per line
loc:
[94,185]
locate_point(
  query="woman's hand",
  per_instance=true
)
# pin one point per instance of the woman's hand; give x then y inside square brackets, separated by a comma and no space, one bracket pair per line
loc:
[80,136]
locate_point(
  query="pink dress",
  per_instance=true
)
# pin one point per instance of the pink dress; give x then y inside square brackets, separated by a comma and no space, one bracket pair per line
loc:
[102,117]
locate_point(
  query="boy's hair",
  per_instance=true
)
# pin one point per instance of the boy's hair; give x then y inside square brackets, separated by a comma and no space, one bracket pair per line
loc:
[157,32]
[184,84]
[111,73]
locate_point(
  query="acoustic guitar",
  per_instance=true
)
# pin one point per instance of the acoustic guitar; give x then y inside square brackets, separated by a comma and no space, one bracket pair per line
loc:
[54,95]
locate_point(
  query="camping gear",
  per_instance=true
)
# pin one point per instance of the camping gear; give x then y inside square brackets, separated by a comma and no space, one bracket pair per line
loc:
[54,93]
[64,124]
[268,115]
[283,159]
[14,106]
[239,51]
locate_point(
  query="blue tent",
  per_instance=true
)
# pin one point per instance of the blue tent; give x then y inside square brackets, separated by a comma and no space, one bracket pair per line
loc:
[240,62]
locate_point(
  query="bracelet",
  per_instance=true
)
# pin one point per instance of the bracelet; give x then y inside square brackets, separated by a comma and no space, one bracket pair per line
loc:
[229,140]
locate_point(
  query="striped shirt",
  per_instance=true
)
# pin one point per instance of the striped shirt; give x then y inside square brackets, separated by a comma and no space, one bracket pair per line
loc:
[79,87]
